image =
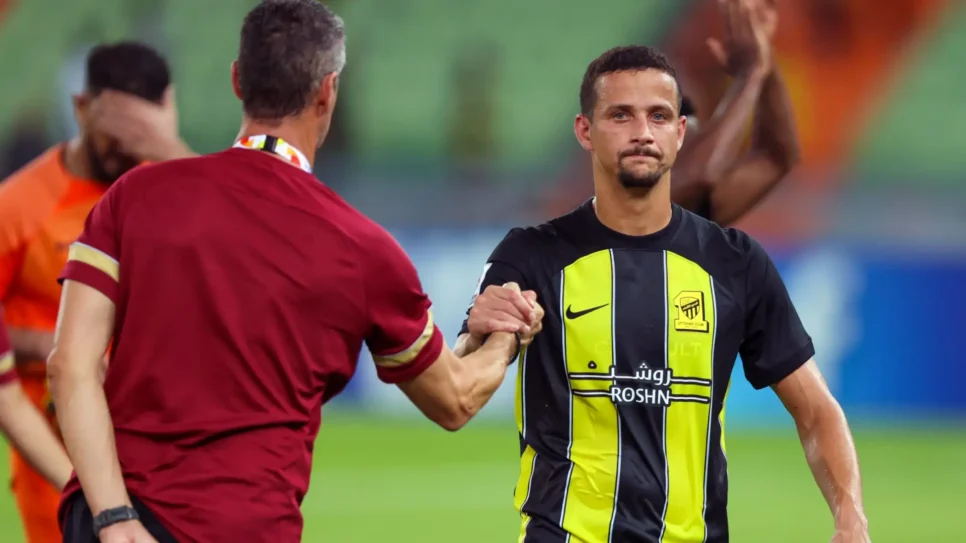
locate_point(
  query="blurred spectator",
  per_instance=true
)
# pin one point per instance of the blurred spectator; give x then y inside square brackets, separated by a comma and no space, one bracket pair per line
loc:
[27,139]
[472,127]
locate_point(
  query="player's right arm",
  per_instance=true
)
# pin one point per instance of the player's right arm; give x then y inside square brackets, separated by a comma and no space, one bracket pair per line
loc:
[409,350]
[146,130]
[25,426]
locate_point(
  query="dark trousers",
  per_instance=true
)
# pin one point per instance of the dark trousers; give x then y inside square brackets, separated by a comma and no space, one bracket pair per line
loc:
[79,524]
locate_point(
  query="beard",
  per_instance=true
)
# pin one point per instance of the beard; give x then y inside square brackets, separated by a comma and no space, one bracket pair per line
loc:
[100,172]
[631,180]
[634,180]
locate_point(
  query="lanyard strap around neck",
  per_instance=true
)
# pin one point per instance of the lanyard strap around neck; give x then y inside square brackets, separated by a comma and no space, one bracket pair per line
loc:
[280,147]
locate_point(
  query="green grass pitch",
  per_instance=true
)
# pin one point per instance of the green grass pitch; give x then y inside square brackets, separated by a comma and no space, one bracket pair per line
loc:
[384,480]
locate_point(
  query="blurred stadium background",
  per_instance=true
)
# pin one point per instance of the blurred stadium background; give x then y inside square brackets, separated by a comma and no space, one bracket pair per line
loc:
[455,124]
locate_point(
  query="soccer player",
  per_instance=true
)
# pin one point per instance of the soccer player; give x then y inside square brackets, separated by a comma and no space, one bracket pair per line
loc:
[238,291]
[713,177]
[620,399]
[124,117]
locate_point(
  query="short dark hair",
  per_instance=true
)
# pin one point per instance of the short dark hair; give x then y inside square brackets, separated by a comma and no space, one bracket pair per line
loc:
[622,59]
[287,49]
[687,107]
[127,66]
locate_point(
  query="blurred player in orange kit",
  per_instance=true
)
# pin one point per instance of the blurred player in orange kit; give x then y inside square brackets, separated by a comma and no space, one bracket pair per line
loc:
[126,116]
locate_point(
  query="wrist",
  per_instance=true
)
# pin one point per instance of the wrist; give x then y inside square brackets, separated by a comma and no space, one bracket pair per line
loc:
[95,511]
[506,342]
[756,74]
[114,516]
[850,515]
[108,532]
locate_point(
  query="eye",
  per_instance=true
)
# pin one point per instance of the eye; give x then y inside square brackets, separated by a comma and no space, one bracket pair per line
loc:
[620,116]
[659,117]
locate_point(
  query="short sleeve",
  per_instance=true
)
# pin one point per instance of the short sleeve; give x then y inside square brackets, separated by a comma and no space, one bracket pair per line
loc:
[94,258]
[775,344]
[506,264]
[403,338]
[8,371]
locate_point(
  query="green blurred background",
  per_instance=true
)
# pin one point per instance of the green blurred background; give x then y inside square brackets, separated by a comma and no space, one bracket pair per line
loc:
[404,481]
[466,108]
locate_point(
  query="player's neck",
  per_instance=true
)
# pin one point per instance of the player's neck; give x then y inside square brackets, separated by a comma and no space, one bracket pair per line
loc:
[76,160]
[292,131]
[634,212]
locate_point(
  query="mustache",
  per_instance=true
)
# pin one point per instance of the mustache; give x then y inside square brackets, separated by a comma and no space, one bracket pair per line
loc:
[640,151]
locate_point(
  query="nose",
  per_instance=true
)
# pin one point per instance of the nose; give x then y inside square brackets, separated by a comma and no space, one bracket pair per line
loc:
[642,134]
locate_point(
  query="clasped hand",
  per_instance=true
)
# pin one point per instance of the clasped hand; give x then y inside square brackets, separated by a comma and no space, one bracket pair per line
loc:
[506,309]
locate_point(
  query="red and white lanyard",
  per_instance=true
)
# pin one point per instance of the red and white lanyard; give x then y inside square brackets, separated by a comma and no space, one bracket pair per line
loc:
[280,147]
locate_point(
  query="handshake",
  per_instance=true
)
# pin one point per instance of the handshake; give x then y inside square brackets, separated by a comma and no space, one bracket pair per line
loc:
[505,309]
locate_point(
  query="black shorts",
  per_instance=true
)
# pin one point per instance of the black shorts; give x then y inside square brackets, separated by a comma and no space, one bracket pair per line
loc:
[79,522]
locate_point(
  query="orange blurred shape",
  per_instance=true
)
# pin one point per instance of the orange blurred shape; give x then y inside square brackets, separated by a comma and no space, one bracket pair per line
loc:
[839,58]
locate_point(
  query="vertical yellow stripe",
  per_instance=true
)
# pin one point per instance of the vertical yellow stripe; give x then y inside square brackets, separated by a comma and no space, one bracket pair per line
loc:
[595,432]
[6,362]
[519,404]
[527,459]
[721,418]
[522,490]
[690,346]
[523,527]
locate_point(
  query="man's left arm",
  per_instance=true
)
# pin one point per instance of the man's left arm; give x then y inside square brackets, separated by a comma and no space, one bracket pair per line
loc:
[773,154]
[829,448]
[777,352]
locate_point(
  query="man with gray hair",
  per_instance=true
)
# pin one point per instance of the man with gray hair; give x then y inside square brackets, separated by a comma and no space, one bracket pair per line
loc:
[236,291]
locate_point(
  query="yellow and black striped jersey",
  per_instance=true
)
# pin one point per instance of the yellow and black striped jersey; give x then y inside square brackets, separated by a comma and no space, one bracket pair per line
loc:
[620,399]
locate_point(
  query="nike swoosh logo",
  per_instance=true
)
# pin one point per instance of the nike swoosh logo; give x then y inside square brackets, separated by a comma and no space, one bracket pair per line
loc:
[573,315]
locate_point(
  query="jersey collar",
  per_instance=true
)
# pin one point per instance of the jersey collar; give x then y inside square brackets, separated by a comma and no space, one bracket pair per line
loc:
[599,231]
[278,146]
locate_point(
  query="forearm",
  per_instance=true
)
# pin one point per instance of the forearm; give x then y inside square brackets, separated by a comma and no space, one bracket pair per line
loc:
[832,457]
[31,434]
[454,389]
[88,433]
[774,131]
[481,372]
[708,156]
[774,152]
